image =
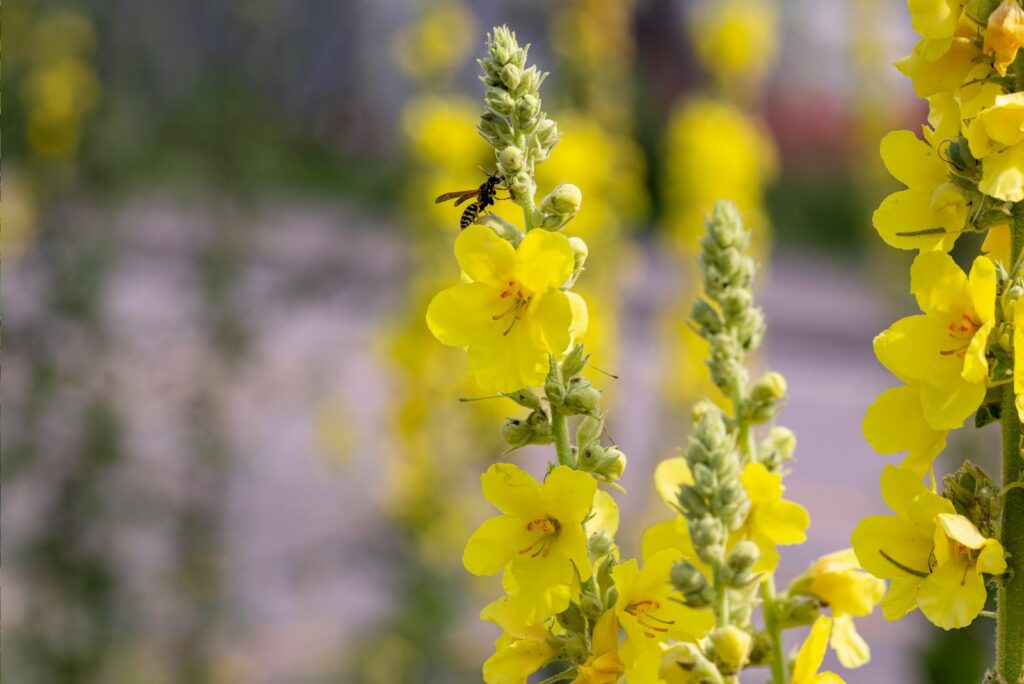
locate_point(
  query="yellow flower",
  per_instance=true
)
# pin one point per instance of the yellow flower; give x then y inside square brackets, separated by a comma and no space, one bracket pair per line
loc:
[934,557]
[604,665]
[838,581]
[520,651]
[538,540]
[772,520]
[1018,356]
[895,423]
[735,39]
[943,350]
[439,40]
[933,74]
[650,613]
[511,315]
[996,137]
[811,655]
[674,534]
[1004,34]
[931,212]
[997,244]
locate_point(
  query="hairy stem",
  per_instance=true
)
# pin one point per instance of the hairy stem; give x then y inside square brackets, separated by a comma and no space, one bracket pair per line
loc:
[1010,629]
[561,431]
[771,625]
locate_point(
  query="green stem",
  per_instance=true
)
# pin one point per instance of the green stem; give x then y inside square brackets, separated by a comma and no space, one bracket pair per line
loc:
[561,431]
[1010,628]
[721,597]
[771,625]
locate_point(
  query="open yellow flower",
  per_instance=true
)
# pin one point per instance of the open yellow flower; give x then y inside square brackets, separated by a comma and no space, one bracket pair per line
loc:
[943,350]
[932,212]
[838,581]
[538,540]
[996,137]
[811,655]
[1018,356]
[934,557]
[936,21]
[1004,34]
[772,520]
[604,665]
[933,74]
[650,613]
[895,423]
[520,651]
[512,314]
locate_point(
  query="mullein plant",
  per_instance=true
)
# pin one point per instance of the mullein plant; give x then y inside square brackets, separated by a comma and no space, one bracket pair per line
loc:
[571,602]
[963,356]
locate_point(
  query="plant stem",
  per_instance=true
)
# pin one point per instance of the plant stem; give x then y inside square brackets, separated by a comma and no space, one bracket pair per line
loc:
[721,597]
[561,431]
[1010,628]
[771,625]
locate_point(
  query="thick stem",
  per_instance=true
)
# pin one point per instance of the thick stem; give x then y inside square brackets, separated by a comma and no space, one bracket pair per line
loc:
[1010,629]
[721,596]
[771,625]
[561,431]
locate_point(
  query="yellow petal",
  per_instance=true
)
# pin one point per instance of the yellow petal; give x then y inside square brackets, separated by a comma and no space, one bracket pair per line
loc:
[812,652]
[895,423]
[850,647]
[494,544]
[485,257]
[900,487]
[983,288]
[933,74]
[572,541]
[901,597]
[975,359]
[652,582]
[544,260]
[784,522]
[905,220]
[543,586]
[952,596]
[580,317]
[885,545]
[671,535]
[551,318]
[912,161]
[761,484]
[673,473]
[513,663]
[461,315]
[992,558]
[1018,348]
[925,509]
[1002,174]
[604,517]
[568,495]
[997,244]
[935,18]
[961,530]
[911,348]
[939,285]
[947,407]
[512,490]
[506,363]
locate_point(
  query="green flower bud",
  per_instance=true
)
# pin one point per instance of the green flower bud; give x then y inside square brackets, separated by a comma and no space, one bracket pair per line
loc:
[499,101]
[739,564]
[528,82]
[692,584]
[975,496]
[685,664]
[575,360]
[592,606]
[589,430]
[545,136]
[572,619]
[510,76]
[612,465]
[495,129]
[525,397]
[521,185]
[763,403]
[527,112]
[511,161]
[536,429]
[706,317]
[1009,299]
[591,457]
[797,611]
[599,545]
[777,447]
[581,397]
[574,647]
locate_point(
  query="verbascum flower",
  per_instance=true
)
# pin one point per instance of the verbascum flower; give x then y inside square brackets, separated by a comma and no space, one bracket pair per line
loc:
[934,557]
[521,649]
[932,212]
[511,314]
[735,39]
[669,476]
[811,655]
[838,581]
[943,351]
[772,520]
[603,666]
[538,540]
[650,613]
[997,244]
[1004,34]
[996,137]
[895,423]
[946,72]
[1018,356]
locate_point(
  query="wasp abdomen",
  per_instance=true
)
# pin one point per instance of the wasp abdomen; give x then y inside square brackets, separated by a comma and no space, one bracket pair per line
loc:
[469,215]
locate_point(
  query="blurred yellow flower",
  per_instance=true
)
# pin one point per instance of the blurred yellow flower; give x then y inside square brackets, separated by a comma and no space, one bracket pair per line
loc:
[735,39]
[811,655]
[522,648]
[437,42]
[772,520]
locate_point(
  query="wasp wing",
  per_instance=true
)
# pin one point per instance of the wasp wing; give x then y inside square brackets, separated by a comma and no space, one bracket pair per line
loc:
[460,195]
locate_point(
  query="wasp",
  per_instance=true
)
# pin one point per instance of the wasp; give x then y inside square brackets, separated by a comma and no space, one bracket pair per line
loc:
[484,197]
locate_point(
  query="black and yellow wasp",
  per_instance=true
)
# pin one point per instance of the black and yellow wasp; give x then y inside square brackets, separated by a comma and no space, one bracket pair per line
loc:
[484,197]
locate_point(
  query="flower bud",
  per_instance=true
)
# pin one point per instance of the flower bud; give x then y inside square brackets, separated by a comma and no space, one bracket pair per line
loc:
[739,564]
[591,457]
[592,606]
[495,130]
[796,611]
[777,447]
[692,584]
[499,101]
[527,110]
[589,430]
[1009,299]
[575,360]
[599,545]
[612,465]
[546,135]
[525,397]
[522,186]
[581,397]
[706,318]
[580,251]
[528,81]
[572,619]
[765,396]
[732,646]
[560,206]
[574,647]
[536,429]
[685,664]
[510,76]
[511,161]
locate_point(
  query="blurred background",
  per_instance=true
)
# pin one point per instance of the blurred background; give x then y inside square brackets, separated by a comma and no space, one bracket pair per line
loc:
[233,452]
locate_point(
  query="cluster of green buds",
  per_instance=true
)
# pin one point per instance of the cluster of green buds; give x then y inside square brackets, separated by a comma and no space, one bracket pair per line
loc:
[975,496]
[520,132]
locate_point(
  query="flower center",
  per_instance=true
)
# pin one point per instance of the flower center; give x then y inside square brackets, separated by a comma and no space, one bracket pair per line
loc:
[642,611]
[962,330]
[520,297]
[548,528]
